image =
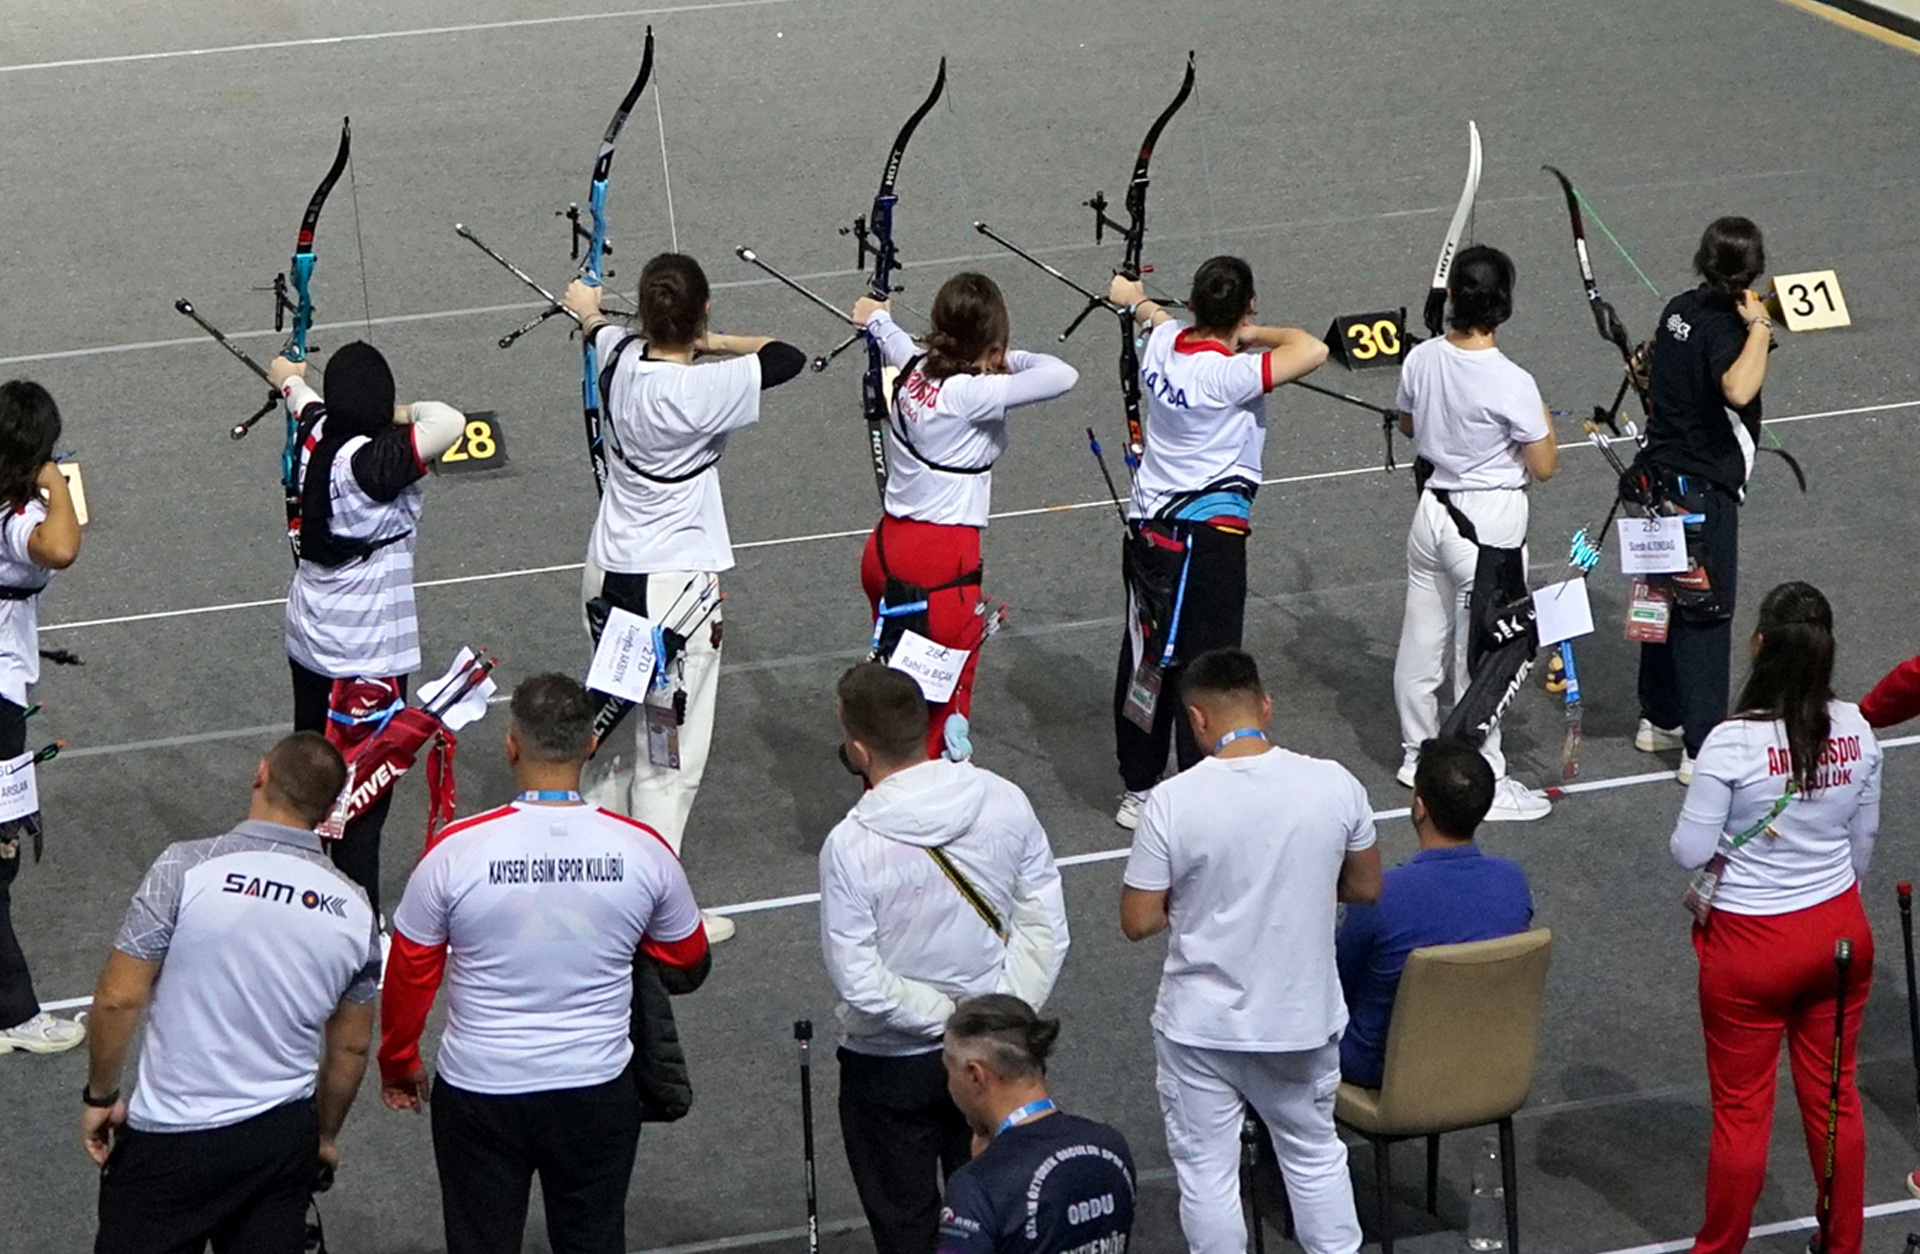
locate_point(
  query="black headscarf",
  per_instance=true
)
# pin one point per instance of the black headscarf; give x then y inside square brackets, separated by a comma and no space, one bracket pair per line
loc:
[359,391]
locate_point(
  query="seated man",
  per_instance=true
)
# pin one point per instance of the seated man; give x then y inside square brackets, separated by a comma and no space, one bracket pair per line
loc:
[1446,894]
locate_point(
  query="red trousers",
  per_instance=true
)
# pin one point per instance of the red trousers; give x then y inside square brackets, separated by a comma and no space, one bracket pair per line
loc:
[930,554]
[1761,978]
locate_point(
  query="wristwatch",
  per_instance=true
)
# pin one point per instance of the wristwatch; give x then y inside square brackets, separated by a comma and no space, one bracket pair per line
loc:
[99,1103]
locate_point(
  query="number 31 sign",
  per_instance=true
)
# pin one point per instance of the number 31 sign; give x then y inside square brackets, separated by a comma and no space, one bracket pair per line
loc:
[1810,301]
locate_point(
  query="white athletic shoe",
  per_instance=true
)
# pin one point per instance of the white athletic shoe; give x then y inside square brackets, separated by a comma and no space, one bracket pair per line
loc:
[1651,739]
[719,927]
[1128,815]
[1409,762]
[43,1034]
[1513,803]
[1685,773]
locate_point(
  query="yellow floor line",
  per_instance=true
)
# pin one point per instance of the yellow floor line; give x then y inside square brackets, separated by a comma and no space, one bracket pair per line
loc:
[1859,25]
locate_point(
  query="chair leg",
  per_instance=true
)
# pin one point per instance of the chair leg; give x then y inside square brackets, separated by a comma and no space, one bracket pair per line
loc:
[1383,1191]
[1509,1179]
[1433,1176]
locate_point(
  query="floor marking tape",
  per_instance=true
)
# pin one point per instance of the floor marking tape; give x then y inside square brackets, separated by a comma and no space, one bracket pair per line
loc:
[1802,1224]
[373,36]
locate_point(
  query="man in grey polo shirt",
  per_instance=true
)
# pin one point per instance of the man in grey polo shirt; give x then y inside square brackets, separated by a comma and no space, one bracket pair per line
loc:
[248,952]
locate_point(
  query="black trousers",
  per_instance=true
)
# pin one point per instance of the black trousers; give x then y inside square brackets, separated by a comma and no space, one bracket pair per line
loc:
[357,852]
[245,1187]
[1212,617]
[904,1136]
[580,1142]
[1683,683]
[17,1002]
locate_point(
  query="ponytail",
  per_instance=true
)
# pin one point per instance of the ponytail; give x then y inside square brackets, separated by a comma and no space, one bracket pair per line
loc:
[1792,677]
[672,299]
[969,320]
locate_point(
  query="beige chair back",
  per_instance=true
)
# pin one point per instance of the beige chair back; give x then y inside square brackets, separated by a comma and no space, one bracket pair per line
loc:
[1465,1034]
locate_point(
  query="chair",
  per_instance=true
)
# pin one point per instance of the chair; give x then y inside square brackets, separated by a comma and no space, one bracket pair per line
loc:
[1460,1054]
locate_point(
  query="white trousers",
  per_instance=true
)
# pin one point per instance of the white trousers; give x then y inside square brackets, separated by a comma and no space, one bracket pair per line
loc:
[662,797]
[1434,629]
[1202,1095]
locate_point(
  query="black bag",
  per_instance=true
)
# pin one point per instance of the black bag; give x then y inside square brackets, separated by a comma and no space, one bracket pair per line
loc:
[1501,636]
[1151,563]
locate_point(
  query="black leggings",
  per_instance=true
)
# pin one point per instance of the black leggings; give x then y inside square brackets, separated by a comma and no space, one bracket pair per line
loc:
[17,1002]
[357,852]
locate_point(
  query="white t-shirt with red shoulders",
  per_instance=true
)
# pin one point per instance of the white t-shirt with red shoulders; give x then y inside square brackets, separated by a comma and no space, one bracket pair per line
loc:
[1206,417]
[538,911]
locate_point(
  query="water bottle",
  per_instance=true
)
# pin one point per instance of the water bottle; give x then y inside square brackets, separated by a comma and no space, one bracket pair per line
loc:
[1487,1208]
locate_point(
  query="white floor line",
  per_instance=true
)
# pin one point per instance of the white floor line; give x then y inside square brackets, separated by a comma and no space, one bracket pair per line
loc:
[373,36]
[851,533]
[1803,1224]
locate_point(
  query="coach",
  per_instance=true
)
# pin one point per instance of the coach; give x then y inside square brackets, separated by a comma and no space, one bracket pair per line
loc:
[1242,859]
[937,886]
[250,953]
[546,905]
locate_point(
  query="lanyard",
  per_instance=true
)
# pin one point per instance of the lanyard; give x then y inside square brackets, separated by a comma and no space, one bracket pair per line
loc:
[1179,603]
[1244,733]
[549,794]
[1031,1110]
[1764,822]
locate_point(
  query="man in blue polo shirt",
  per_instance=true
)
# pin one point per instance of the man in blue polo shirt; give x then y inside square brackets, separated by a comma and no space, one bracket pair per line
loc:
[1446,894]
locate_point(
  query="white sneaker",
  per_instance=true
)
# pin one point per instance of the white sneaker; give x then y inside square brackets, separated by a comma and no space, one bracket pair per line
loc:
[1128,815]
[1514,804]
[719,927]
[43,1034]
[1408,764]
[1651,739]
[1685,773]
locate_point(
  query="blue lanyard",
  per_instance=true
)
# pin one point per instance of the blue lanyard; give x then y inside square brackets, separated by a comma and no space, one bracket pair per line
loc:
[1179,603]
[549,794]
[1244,733]
[1029,1111]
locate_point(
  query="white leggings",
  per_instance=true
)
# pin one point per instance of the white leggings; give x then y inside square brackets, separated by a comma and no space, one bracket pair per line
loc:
[1202,1095]
[1440,567]
[658,796]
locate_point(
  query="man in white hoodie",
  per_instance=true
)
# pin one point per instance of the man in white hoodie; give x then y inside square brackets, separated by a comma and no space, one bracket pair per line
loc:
[939,885]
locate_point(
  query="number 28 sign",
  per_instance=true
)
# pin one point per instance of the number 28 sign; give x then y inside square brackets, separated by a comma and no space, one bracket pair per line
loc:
[482,445]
